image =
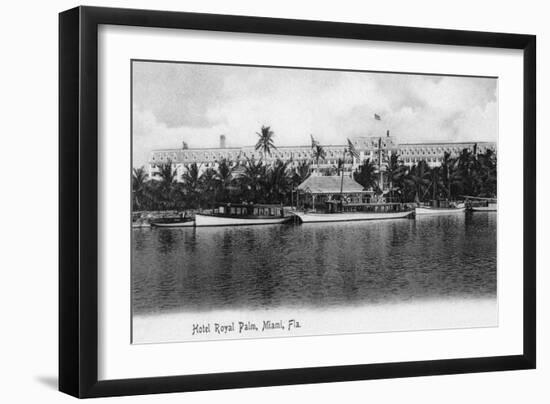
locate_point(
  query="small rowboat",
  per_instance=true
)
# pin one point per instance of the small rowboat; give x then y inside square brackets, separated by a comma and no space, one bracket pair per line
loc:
[173,221]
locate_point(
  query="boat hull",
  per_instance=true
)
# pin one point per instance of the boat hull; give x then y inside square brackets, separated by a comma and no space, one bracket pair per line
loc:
[189,223]
[143,225]
[350,217]
[202,220]
[438,211]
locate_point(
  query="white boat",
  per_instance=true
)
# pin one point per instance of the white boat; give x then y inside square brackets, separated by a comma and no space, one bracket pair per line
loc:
[174,220]
[242,215]
[312,217]
[427,210]
[216,220]
[187,223]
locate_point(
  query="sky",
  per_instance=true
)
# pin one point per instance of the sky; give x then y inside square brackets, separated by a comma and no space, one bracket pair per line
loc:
[195,103]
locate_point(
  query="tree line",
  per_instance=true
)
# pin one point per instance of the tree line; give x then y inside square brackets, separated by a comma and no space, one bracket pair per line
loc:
[470,173]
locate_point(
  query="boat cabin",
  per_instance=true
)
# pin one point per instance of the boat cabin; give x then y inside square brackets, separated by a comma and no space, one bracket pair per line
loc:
[480,202]
[263,210]
[440,203]
[344,207]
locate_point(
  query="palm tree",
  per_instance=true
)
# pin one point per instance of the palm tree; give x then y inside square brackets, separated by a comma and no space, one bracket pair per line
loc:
[487,174]
[265,142]
[302,172]
[319,153]
[153,195]
[139,178]
[191,176]
[253,180]
[278,182]
[366,174]
[395,172]
[436,183]
[418,180]
[446,167]
[191,183]
[224,178]
[450,176]
[167,176]
[466,165]
[208,186]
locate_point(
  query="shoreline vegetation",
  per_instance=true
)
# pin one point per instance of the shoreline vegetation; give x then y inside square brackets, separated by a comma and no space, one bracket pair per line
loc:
[256,181]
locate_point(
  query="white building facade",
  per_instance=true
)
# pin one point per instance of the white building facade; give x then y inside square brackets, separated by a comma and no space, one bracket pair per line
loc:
[370,147]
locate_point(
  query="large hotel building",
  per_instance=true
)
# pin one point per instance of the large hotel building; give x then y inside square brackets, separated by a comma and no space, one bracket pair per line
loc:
[371,147]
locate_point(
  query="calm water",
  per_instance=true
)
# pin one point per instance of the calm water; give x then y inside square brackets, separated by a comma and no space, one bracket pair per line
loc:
[314,265]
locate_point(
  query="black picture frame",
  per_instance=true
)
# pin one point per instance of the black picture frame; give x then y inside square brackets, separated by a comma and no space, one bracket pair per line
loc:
[78,200]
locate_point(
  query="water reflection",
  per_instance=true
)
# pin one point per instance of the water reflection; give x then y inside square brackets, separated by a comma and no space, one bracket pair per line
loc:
[320,265]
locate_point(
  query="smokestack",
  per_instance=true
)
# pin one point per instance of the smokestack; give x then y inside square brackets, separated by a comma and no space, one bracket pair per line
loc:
[388,133]
[222,141]
[184,145]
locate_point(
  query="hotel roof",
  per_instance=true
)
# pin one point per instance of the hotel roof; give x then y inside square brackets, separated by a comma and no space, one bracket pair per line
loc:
[397,145]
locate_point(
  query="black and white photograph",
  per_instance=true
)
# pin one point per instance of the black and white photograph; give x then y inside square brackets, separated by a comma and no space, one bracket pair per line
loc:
[284,202]
[276,201]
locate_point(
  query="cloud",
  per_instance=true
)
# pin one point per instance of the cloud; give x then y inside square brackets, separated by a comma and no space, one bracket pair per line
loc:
[196,103]
[178,96]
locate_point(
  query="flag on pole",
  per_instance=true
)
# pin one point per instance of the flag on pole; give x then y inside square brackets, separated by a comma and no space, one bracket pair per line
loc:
[377,117]
[313,142]
[352,150]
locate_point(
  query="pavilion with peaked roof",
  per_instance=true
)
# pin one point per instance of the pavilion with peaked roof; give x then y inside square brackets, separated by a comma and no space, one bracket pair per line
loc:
[322,188]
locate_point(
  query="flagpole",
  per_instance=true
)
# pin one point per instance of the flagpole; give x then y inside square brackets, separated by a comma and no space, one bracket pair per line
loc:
[342,181]
[380,165]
